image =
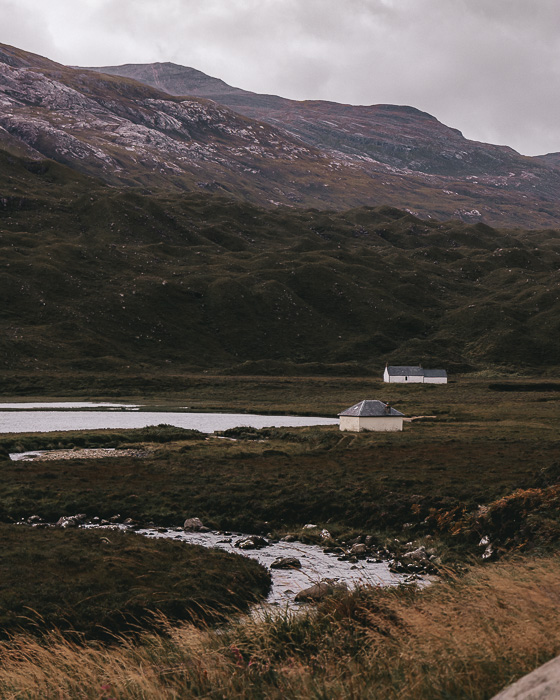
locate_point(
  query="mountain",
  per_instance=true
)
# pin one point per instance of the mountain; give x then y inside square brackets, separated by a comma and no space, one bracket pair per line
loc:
[478,180]
[297,154]
[108,281]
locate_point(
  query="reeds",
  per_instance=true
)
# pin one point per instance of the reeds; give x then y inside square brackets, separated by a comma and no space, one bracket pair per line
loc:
[464,638]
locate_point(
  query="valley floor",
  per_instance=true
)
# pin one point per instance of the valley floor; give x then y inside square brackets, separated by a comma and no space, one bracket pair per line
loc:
[484,468]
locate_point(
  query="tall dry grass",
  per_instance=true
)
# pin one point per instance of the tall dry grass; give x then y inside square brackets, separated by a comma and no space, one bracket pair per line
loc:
[457,639]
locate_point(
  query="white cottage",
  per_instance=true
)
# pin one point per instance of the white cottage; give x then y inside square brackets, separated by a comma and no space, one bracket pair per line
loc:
[371,415]
[407,374]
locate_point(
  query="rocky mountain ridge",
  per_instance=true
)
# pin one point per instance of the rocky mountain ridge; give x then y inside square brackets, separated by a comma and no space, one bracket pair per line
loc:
[429,158]
[312,154]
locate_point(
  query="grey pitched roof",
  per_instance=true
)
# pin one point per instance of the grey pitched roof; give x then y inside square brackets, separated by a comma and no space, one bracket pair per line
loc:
[401,371]
[370,408]
[435,373]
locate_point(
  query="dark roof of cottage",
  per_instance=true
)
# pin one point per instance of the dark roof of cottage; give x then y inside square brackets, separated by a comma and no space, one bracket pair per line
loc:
[405,370]
[435,373]
[371,408]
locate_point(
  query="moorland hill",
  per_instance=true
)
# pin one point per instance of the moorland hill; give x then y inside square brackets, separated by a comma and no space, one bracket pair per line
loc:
[98,278]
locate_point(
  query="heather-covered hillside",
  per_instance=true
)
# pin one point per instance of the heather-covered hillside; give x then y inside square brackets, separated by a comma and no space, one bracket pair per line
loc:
[95,278]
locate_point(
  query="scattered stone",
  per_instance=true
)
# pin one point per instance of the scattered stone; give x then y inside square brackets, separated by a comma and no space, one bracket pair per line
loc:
[488,552]
[319,591]
[86,453]
[286,563]
[359,549]
[309,526]
[71,520]
[34,519]
[289,538]
[416,554]
[129,521]
[253,542]
[325,535]
[370,540]
[484,542]
[115,518]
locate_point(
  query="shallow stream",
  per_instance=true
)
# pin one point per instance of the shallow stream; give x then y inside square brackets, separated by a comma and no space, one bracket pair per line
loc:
[286,583]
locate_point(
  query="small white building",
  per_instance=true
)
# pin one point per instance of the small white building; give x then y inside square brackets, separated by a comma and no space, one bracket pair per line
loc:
[371,415]
[409,374]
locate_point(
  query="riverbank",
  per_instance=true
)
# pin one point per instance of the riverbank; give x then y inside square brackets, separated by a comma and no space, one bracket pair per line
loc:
[463,638]
[97,584]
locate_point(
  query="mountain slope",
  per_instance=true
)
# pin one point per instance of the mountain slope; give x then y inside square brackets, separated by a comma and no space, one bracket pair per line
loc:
[131,134]
[430,158]
[97,279]
[400,136]
[134,135]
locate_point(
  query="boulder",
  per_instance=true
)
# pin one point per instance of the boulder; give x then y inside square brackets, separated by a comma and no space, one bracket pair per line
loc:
[66,522]
[286,563]
[541,684]
[193,525]
[419,554]
[319,591]
[253,542]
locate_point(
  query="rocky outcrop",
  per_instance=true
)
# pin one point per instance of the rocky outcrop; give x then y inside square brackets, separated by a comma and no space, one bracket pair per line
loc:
[409,148]
[541,684]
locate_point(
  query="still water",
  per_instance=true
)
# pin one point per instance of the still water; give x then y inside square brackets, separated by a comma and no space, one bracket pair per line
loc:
[36,418]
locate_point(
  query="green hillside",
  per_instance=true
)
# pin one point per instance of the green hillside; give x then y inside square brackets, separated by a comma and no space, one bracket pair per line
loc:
[97,279]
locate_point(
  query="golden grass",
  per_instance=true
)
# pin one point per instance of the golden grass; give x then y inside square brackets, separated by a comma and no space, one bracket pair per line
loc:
[457,639]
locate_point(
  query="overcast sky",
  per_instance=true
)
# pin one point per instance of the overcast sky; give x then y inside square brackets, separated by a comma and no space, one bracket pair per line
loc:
[490,68]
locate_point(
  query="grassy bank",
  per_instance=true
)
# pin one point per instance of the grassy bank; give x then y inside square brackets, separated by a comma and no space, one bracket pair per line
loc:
[459,639]
[99,583]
